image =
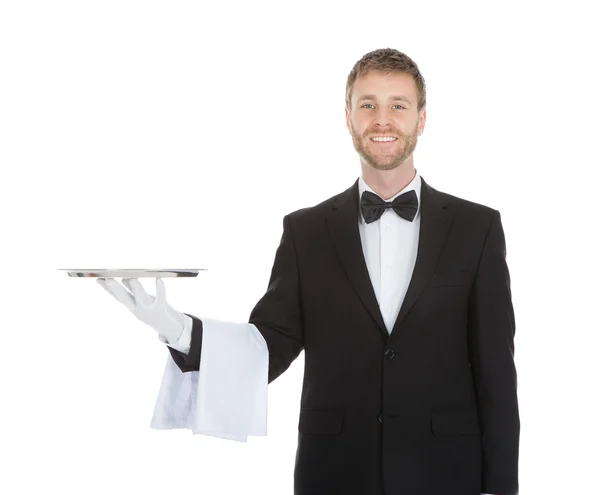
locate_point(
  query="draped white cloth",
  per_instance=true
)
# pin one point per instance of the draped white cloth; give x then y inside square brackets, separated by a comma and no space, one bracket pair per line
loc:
[227,397]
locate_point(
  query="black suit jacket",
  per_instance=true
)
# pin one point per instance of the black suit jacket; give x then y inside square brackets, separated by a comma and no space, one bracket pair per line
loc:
[429,409]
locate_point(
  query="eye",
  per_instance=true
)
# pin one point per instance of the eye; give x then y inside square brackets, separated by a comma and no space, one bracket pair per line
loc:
[367,104]
[400,106]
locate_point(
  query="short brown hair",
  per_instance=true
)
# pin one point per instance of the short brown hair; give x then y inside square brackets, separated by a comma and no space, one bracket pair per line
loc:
[387,60]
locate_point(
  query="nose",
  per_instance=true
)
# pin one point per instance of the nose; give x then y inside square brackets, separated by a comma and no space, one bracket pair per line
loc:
[382,117]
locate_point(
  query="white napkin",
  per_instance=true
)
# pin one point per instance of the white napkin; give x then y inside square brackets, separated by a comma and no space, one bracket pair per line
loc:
[228,397]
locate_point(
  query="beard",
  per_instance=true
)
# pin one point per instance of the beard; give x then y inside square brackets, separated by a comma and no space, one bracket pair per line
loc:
[402,150]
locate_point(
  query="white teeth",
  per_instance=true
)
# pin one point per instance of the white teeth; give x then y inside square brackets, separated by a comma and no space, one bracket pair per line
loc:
[383,139]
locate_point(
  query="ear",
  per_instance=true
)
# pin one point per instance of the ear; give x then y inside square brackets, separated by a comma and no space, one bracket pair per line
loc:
[422,119]
[347,119]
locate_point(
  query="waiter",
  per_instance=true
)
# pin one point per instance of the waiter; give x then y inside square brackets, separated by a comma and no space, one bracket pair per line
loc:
[399,295]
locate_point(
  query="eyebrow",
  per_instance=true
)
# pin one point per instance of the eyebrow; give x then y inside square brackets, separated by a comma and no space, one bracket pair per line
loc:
[394,98]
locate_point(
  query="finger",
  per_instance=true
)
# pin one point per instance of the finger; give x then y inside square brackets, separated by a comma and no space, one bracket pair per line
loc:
[125,282]
[104,285]
[138,291]
[119,292]
[161,292]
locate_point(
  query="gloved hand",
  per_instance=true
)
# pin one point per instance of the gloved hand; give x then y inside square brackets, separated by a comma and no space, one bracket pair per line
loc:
[152,310]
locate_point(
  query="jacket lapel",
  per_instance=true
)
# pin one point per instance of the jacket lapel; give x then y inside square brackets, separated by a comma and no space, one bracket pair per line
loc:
[342,222]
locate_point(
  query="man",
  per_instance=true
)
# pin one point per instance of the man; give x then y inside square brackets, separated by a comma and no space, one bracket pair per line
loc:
[399,294]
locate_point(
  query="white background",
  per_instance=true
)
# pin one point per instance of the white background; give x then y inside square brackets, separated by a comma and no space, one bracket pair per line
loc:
[178,134]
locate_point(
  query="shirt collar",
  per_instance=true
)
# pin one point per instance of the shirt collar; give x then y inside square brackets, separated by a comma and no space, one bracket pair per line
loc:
[413,184]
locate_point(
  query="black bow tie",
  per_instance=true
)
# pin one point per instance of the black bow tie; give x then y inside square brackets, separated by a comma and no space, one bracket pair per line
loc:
[405,205]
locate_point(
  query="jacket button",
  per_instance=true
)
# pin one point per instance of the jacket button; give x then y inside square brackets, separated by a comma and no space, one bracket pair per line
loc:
[380,418]
[390,353]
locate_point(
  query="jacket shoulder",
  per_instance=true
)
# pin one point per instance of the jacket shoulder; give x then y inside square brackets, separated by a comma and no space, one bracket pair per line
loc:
[315,212]
[468,212]
[466,204]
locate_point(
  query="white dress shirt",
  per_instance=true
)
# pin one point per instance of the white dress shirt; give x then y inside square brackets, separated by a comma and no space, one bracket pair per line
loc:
[390,250]
[228,397]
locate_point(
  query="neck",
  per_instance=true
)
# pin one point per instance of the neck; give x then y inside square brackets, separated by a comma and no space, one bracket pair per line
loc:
[388,183]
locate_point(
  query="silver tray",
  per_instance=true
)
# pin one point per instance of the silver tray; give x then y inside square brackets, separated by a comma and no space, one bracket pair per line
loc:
[132,272]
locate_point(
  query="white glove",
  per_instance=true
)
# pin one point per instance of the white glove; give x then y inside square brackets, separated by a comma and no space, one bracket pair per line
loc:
[153,311]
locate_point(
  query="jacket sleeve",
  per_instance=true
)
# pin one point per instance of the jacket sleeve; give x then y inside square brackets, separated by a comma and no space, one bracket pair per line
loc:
[491,349]
[277,315]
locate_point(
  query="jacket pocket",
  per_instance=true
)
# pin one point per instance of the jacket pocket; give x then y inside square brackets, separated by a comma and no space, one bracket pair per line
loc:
[454,422]
[453,279]
[321,421]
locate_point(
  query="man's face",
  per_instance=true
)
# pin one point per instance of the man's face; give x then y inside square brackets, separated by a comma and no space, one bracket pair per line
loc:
[376,112]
